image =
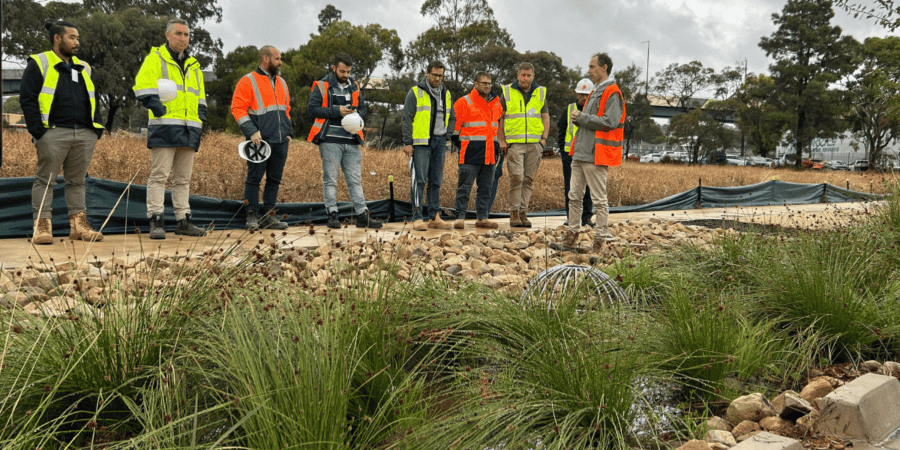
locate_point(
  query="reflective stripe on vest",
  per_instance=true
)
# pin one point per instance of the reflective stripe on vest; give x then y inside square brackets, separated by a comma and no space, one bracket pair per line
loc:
[421,125]
[45,62]
[319,123]
[571,129]
[608,144]
[523,121]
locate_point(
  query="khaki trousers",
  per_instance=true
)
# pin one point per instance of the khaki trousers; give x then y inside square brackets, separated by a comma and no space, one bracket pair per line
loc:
[180,162]
[593,176]
[523,161]
[71,150]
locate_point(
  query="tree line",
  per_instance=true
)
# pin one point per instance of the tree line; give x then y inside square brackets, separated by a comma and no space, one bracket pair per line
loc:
[822,83]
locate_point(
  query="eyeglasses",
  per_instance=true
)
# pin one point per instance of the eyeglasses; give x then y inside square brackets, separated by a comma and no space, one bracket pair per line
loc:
[484,83]
[436,75]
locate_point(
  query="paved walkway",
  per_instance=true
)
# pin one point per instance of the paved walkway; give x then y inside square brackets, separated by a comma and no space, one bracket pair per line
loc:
[20,252]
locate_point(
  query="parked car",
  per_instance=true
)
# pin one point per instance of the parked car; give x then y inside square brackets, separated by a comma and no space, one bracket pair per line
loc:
[757,161]
[861,164]
[550,151]
[835,165]
[650,157]
[735,161]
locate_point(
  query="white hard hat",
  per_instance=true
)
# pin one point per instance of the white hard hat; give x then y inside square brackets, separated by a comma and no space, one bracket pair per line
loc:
[352,123]
[585,86]
[254,153]
[168,90]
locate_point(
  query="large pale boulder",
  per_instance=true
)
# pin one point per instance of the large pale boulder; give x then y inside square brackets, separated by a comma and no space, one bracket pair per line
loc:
[816,388]
[749,407]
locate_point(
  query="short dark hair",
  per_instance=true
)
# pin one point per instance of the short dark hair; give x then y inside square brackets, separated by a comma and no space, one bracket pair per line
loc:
[525,66]
[434,65]
[342,57]
[603,58]
[482,74]
[58,28]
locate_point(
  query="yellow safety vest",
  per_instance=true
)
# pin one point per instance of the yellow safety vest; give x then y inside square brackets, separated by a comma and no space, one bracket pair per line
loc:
[572,128]
[50,59]
[421,126]
[184,109]
[521,120]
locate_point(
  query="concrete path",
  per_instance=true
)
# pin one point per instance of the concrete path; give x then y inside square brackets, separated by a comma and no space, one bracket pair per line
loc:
[20,252]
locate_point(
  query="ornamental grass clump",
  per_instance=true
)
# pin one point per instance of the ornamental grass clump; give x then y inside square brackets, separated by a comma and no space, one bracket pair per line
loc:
[703,338]
[73,378]
[537,378]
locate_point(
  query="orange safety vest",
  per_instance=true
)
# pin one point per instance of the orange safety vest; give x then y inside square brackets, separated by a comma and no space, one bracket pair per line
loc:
[262,106]
[607,144]
[477,120]
[320,122]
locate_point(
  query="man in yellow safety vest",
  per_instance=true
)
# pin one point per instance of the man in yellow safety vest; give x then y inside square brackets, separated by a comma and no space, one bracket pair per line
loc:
[523,135]
[426,116]
[174,127]
[60,108]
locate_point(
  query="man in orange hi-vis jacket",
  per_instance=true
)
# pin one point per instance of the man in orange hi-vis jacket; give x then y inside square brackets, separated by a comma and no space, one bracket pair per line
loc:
[597,147]
[477,118]
[262,107]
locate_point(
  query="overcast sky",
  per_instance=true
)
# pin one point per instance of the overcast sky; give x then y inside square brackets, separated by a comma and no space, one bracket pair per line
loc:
[717,33]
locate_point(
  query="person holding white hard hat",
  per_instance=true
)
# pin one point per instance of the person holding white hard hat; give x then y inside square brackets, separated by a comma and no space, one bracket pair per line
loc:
[338,109]
[261,105]
[170,85]
[567,130]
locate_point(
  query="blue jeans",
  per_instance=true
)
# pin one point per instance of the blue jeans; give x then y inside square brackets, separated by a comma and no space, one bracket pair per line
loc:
[348,158]
[483,174]
[272,168]
[428,162]
[498,172]
[587,208]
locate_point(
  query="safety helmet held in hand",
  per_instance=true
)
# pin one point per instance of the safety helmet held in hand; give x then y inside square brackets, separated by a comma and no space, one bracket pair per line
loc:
[254,153]
[585,86]
[168,90]
[352,123]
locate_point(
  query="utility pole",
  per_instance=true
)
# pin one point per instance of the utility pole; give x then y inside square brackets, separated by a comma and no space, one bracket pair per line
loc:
[647,84]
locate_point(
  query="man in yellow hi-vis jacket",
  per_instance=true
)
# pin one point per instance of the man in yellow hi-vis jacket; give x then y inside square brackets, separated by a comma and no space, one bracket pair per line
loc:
[170,85]
[60,108]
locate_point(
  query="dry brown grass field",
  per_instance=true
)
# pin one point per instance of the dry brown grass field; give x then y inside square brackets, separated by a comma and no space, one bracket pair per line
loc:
[219,172]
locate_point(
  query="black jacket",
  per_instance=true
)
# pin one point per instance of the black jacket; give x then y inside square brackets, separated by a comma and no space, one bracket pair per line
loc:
[332,112]
[71,106]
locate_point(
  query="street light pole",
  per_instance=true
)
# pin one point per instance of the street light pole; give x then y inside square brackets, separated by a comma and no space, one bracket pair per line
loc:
[647,85]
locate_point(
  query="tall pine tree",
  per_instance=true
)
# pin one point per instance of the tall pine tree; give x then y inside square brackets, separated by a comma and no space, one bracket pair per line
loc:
[810,55]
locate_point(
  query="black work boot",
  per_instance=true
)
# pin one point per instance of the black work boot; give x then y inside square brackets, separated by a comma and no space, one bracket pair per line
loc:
[365,220]
[252,221]
[271,223]
[333,221]
[157,227]
[187,228]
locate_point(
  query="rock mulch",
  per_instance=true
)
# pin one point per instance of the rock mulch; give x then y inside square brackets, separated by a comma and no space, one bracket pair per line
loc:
[500,260]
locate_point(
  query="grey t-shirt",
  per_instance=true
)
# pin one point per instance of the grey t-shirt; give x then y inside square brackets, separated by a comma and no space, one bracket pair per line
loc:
[439,128]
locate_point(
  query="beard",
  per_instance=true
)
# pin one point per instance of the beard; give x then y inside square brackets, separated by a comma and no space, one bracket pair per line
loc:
[68,52]
[274,70]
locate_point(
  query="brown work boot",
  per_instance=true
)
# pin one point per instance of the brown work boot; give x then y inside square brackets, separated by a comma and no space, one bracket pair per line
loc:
[460,224]
[524,219]
[514,220]
[485,223]
[438,223]
[420,225]
[79,228]
[43,232]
